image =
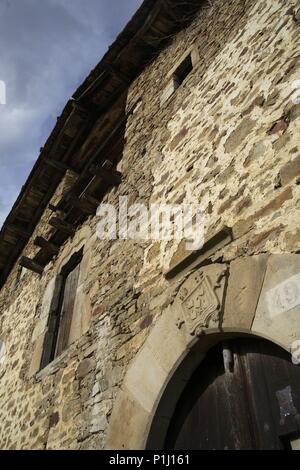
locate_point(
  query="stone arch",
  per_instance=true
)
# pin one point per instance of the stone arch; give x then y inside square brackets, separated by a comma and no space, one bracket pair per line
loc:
[213,302]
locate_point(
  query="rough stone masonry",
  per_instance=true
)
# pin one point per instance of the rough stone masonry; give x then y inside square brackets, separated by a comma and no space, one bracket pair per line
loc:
[229,136]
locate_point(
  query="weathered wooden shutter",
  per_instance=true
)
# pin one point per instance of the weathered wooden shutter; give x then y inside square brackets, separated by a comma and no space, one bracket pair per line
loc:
[61,309]
[67,309]
[53,321]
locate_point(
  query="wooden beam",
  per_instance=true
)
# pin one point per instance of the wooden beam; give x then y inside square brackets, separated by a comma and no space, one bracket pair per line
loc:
[60,166]
[95,157]
[56,164]
[92,200]
[81,108]
[114,70]
[112,177]
[18,231]
[107,164]
[55,209]
[82,204]
[61,225]
[31,265]
[46,245]
[52,208]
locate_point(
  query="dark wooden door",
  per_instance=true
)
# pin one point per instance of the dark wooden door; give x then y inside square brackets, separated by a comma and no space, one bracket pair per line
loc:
[255,405]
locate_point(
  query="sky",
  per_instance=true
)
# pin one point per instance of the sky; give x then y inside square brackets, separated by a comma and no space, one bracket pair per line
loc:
[47,48]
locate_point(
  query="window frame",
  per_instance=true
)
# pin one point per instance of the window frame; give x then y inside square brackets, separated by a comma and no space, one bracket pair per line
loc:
[192,54]
[50,352]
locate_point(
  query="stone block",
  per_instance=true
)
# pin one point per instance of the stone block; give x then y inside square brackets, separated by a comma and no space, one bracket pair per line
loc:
[167,342]
[134,418]
[81,316]
[145,378]
[290,171]
[85,266]
[244,286]
[40,328]
[98,423]
[168,91]
[96,389]
[47,299]
[85,367]
[37,355]
[278,311]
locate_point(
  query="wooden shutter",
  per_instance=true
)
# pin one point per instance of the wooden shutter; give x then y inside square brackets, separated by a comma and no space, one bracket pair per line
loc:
[53,322]
[66,312]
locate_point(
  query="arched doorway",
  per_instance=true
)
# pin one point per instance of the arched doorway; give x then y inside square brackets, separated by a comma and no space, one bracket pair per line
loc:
[213,304]
[245,394]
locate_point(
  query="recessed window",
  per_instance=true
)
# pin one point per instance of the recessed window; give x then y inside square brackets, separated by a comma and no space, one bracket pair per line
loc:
[62,309]
[179,73]
[183,70]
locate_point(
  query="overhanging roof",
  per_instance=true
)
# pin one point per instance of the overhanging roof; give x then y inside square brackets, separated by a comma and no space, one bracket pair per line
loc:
[141,40]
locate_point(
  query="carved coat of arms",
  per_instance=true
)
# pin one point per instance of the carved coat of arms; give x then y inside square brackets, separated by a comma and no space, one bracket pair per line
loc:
[200,304]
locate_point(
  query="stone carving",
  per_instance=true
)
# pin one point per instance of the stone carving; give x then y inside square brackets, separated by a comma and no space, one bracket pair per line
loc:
[201,299]
[284,296]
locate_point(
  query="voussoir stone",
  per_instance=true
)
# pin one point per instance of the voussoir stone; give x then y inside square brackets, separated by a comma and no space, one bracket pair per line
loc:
[244,286]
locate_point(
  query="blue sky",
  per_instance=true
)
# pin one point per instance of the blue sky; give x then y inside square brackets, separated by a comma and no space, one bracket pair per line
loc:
[47,48]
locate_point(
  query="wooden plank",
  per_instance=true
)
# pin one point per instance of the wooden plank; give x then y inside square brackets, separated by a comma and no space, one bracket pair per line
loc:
[82,204]
[23,233]
[31,265]
[46,245]
[107,164]
[211,412]
[61,225]
[60,166]
[115,71]
[53,324]
[67,309]
[121,124]
[112,177]
[92,200]
[274,391]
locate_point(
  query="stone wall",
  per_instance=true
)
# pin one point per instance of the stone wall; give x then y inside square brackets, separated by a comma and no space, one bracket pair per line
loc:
[227,137]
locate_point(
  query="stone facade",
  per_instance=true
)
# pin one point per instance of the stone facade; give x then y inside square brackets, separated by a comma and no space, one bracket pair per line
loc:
[228,137]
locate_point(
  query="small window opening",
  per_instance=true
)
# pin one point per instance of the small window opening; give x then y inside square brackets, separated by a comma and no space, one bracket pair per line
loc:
[61,310]
[183,70]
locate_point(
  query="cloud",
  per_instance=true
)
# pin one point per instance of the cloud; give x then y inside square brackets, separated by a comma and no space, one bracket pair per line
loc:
[46,49]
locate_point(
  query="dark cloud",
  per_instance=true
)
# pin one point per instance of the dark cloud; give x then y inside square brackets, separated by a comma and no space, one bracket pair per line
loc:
[47,47]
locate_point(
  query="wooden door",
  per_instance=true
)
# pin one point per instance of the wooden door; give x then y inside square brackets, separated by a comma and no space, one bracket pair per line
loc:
[256,405]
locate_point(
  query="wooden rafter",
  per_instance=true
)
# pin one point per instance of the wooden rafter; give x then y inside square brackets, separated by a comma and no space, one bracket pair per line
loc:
[111,177]
[46,245]
[99,92]
[31,265]
[61,225]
